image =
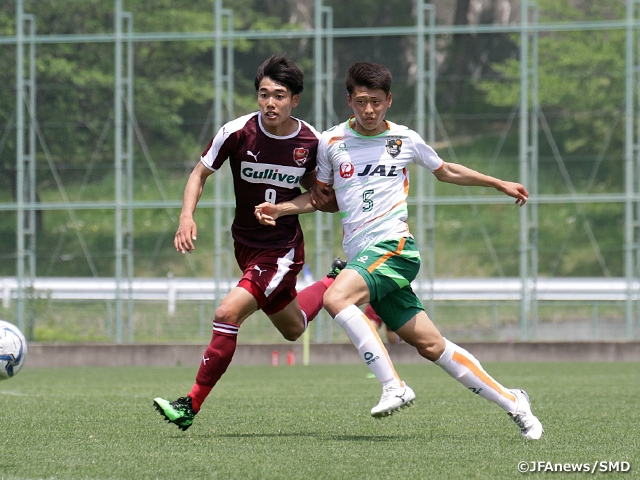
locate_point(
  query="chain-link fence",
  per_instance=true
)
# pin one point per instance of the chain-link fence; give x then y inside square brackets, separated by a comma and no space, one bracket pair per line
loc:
[114,101]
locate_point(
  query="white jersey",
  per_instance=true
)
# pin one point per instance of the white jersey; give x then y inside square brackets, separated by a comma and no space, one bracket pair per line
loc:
[371,180]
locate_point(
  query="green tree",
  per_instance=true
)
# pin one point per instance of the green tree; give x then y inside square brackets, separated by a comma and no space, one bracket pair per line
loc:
[581,78]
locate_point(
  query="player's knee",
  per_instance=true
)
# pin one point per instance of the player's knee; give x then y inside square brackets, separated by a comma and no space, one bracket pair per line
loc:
[431,349]
[224,314]
[292,334]
[332,301]
[291,337]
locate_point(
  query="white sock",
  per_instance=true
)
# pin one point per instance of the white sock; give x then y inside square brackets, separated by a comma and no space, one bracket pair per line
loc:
[465,368]
[366,339]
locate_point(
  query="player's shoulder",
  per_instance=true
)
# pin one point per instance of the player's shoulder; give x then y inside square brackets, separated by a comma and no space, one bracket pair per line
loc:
[307,126]
[239,123]
[397,129]
[337,132]
[406,133]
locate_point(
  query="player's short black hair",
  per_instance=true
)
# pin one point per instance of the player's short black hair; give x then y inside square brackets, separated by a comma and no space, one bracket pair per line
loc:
[370,75]
[283,71]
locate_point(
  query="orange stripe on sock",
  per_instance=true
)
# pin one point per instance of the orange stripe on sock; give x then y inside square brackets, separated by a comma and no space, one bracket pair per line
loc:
[462,360]
[387,255]
[384,349]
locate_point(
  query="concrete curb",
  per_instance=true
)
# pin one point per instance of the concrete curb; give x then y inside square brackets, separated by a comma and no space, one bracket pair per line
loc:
[46,355]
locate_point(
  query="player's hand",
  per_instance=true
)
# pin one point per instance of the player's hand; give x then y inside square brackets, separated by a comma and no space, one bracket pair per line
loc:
[266,213]
[516,191]
[185,236]
[324,198]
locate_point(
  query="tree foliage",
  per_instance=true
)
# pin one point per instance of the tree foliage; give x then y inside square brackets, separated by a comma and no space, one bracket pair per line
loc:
[581,76]
[173,80]
[581,85]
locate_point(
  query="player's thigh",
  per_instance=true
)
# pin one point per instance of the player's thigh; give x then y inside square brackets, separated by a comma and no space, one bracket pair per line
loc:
[422,333]
[349,288]
[289,321]
[236,306]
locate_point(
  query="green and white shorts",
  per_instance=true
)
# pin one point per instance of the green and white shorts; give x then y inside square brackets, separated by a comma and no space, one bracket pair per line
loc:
[388,268]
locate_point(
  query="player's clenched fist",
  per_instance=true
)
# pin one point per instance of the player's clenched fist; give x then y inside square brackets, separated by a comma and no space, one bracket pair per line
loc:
[324,198]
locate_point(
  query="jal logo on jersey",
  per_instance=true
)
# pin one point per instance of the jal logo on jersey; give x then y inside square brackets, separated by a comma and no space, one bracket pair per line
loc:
[394,146]
[347,170]
[300,155]
[381,170]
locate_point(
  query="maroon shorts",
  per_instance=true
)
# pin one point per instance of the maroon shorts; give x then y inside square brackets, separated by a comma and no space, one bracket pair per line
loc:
[270,274]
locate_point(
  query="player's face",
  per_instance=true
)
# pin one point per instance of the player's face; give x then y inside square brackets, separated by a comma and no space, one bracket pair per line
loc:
[369,107]
[276,103]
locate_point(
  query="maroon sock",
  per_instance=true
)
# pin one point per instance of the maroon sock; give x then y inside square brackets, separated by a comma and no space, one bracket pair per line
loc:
[215,361]
[310,299]
[198,393]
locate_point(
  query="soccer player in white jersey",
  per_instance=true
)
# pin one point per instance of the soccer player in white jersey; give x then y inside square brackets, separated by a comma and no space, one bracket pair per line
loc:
[366,162]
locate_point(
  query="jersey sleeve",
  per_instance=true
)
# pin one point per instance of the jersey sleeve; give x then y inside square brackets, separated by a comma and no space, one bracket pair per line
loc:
[311,165]
[324,174]
[426,156]
[224,143]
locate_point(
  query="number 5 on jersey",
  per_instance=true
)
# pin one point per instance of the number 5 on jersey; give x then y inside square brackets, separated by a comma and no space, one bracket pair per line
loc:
[366,199]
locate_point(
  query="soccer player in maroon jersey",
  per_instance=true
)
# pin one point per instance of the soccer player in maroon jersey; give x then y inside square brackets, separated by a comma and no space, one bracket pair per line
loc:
[271,154]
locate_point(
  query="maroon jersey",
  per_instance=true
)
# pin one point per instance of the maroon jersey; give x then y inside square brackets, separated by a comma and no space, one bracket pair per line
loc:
[264,168]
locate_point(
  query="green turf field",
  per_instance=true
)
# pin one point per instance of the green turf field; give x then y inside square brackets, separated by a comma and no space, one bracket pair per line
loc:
[313,423]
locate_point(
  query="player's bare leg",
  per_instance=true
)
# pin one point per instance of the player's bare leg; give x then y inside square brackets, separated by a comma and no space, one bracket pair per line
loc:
[234,309]
[290,321]
[293,320]
[341,299]
[464,367]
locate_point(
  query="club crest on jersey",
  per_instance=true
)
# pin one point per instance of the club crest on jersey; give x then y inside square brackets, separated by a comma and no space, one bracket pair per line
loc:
[300,155]
[347,170]
[394,146]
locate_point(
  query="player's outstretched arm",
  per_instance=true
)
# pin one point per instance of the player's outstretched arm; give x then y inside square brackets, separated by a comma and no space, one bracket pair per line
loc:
[461,175]
[514,190]
[267,213]
[187,229]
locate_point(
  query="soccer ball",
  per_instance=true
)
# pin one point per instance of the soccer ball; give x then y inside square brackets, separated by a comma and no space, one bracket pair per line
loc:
[13,350]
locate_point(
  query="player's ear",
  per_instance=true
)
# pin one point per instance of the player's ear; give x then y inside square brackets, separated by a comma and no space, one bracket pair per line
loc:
[389,101]
[295,99]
